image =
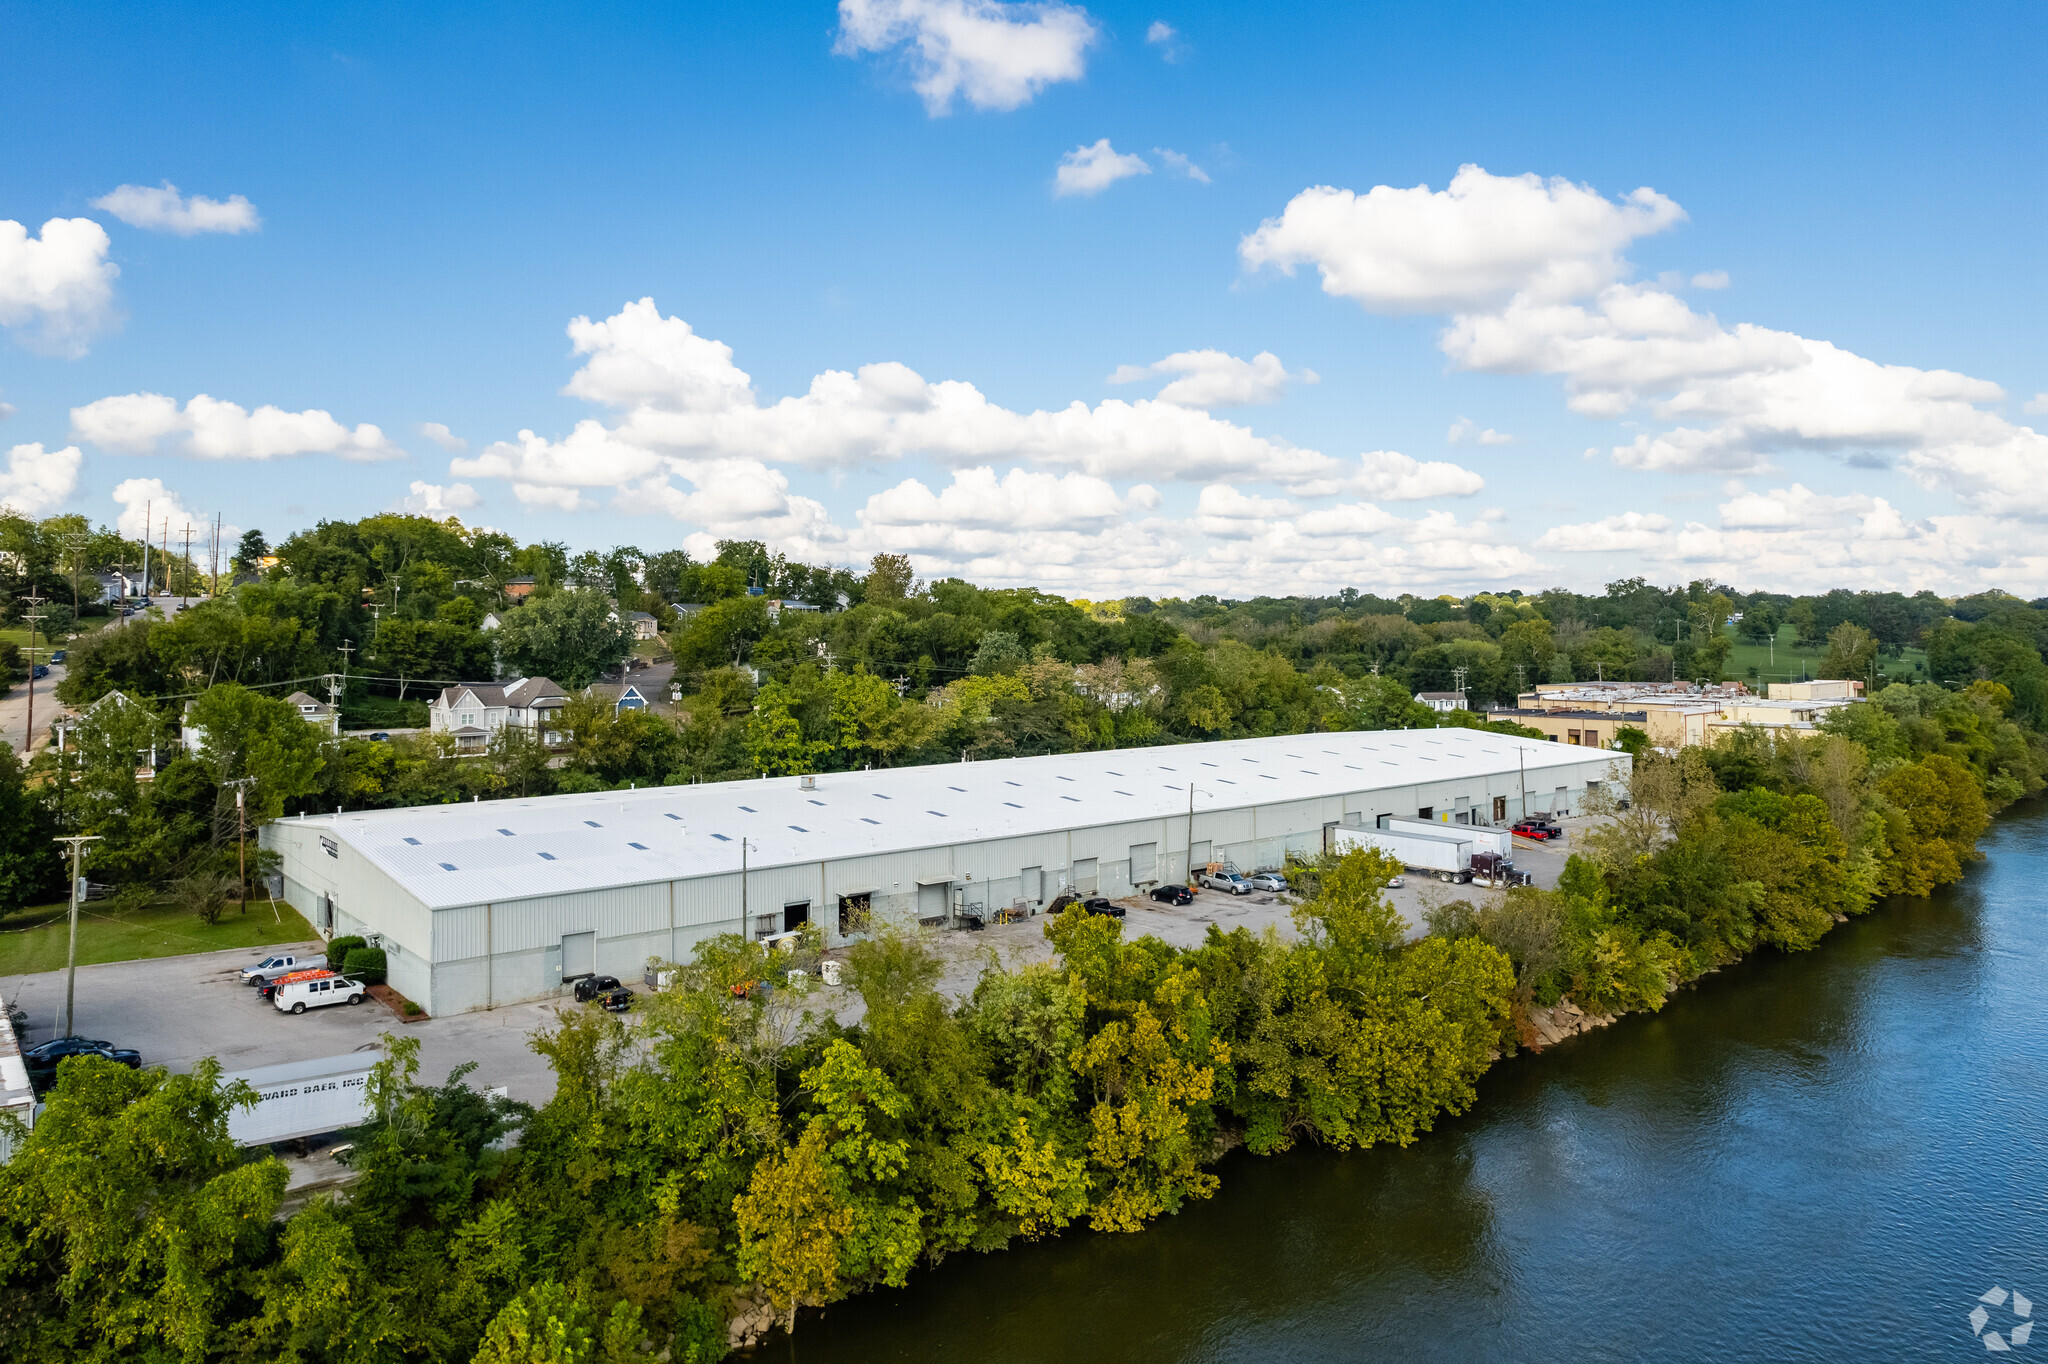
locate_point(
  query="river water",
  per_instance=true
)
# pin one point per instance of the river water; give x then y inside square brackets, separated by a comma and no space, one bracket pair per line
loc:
[1825,1156]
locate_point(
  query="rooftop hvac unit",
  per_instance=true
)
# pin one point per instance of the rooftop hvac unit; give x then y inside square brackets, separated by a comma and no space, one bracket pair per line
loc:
[807,782]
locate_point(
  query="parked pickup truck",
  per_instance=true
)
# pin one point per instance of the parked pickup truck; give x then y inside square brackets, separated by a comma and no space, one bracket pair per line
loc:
[1225,880]
[271,967]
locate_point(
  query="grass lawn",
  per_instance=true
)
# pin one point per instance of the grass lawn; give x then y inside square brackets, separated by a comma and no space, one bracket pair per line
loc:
[35,939]
[1790,658]
[649,648]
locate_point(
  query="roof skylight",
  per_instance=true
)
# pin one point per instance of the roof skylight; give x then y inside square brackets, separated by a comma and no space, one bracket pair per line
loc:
[548,856]
[721,838]
[414,841]
[641,846]
[447,866]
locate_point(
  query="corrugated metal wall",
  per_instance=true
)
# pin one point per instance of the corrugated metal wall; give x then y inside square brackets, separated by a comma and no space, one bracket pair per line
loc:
[500,953]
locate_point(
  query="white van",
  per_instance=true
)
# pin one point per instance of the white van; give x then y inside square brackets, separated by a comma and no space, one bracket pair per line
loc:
[297,996]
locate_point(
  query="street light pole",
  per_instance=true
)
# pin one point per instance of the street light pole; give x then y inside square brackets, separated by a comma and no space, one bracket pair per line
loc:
[77,842]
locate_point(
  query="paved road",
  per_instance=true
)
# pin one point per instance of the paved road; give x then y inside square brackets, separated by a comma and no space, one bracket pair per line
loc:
[14,706]
[175,1010]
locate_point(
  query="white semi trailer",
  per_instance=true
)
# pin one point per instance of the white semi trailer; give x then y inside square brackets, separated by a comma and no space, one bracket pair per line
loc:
[1447,852]
[1485,838]
[303,1098]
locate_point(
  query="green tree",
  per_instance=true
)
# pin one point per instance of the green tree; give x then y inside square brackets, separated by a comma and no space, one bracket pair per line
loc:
[253,735]
[570,636]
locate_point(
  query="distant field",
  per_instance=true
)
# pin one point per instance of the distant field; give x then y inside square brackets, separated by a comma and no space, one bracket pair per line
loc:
[35,940]
[1783,661]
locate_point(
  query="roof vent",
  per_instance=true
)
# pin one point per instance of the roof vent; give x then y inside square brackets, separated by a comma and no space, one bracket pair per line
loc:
[807,782]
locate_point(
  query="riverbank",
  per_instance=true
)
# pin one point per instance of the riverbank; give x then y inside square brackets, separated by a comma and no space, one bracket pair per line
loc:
[1813,1155]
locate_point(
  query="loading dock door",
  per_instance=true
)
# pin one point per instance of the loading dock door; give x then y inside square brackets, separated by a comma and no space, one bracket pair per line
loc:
[1198,856]
[1144,862]
[1500,809]
[853,913]
[579,955]
[795,916]
[1084,875]
[1034,884]
[931,901]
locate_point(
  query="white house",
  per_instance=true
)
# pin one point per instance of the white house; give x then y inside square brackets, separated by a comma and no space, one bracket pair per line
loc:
[473,711]
[1442,701]
[644,625]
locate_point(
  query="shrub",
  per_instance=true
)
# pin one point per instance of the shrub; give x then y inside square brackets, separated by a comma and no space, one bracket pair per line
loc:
[339,948]
[413,1010]
[365,964]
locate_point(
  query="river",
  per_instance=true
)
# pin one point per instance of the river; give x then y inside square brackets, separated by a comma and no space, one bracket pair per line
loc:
[1824,1156]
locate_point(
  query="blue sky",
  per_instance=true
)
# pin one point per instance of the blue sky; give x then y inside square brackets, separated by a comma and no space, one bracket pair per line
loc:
[428,197]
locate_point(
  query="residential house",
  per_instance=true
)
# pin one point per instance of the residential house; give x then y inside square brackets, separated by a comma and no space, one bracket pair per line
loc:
[120,586]
[69,729]
[473,711]
[777,606]
[519,588]
[622,695]
[644,625]
[1442,702]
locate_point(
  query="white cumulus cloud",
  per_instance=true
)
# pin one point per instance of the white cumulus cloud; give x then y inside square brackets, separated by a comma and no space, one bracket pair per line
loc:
[1466,431]
[1179,164]
[1093,169]
[995,55]
[149,509]
[685,401]
[135,423]
[1710,279]
[2037,405]
[1474,244]
[1533,278]
[435,499]
[1629,530]
[163,209]
[37,481]
[57,289]
[439,433]
[1214,378]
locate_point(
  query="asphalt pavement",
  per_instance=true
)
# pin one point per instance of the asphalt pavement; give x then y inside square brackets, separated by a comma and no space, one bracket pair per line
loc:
[176,1010]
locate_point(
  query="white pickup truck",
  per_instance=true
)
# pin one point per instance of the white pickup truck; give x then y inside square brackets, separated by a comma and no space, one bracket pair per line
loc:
[273,966]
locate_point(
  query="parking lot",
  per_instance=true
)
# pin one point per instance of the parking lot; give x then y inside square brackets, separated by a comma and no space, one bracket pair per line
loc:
[176,1010]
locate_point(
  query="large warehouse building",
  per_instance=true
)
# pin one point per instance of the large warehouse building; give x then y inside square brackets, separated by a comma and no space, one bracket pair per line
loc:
[479,905]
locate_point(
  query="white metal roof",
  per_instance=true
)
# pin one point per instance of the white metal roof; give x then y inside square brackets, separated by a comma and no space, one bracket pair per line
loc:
[511,849]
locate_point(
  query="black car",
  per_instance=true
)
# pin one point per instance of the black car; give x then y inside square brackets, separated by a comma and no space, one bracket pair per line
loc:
[1097,904]
[43,1061]
[57,656]
[1173,895]
[616,1001]
[590,987]
[42,670]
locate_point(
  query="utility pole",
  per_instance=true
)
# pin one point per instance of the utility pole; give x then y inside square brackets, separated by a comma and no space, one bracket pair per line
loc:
[241,784]
[147,509]
[334,702]
[185,584]
[347,647]
[746,924]
[28,734]
[1522,771]
[77,842]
